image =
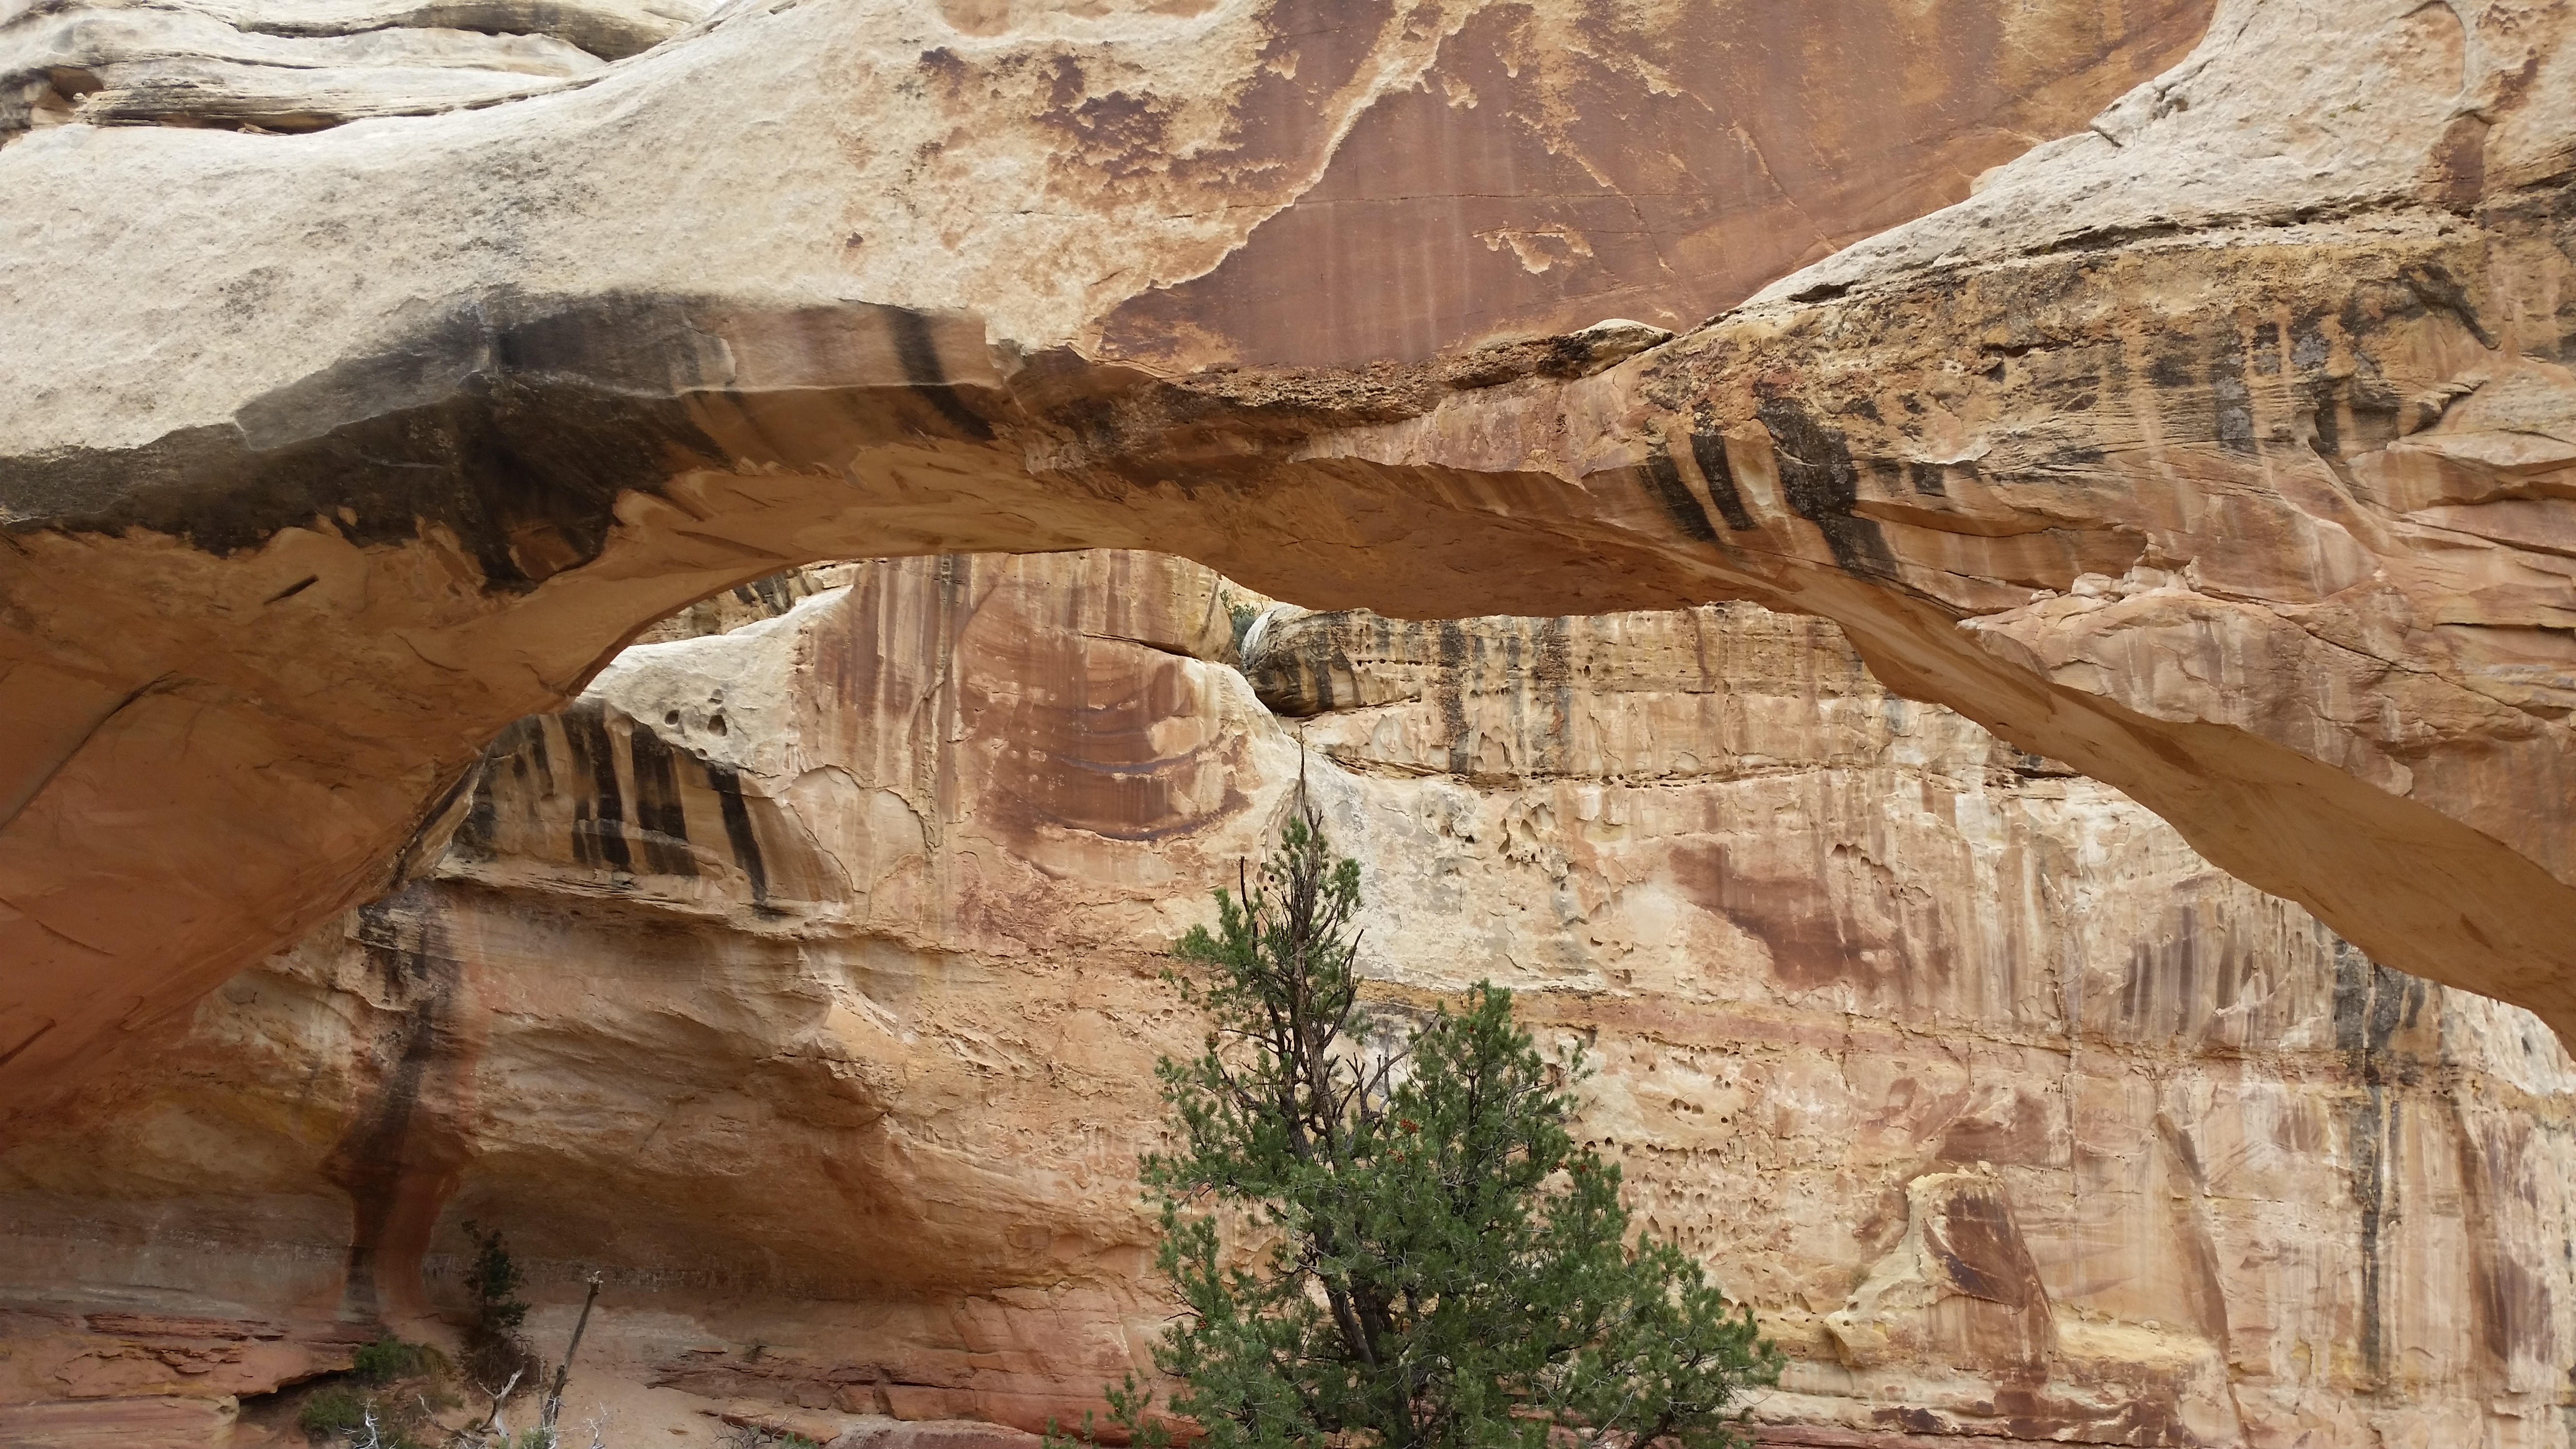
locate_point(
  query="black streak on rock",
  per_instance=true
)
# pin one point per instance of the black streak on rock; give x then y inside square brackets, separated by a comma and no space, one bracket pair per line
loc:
[1821,485]
[1451,692]
[2174,364]
[388,1148]
[599,813]
[2434,285]
[518,752]
[664,825]
[1708,449]
[2231,403]
[2310,353]
[1663,479]
[2370,1003]
[913,346]
[515,424]
[1552,669]
[2267,349]
[525,473]
[738,833]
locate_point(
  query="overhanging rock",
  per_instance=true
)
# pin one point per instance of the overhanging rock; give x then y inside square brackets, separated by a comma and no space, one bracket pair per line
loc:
[2223,450]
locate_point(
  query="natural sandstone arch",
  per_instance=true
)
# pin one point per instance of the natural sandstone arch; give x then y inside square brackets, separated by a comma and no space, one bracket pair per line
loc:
[2222,451]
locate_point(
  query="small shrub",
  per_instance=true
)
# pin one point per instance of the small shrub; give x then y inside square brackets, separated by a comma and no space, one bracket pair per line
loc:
[753,1436]
[1242,615]
[332,1409]
[337,1414]
[389,1358]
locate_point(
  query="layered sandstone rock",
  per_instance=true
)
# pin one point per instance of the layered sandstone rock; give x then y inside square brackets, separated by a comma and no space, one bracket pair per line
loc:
[802,978]
[302,68]
[2219,449]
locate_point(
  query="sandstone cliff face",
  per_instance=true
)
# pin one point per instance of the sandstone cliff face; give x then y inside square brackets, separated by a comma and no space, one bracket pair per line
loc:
[2218,448]
[801,977]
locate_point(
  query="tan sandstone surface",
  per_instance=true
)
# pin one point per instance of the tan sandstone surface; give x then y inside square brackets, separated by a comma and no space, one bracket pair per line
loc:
[801,978]
[2219,448]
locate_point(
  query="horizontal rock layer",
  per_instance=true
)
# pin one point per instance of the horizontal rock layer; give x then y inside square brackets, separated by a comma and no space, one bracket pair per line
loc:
[802,978]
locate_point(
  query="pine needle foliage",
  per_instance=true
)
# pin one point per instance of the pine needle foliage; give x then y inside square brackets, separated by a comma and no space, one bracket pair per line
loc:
[495,1350]
[1419,1255]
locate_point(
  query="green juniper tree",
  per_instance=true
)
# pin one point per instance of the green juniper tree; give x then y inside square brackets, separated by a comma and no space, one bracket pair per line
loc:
[1428,1261]
[496,1355]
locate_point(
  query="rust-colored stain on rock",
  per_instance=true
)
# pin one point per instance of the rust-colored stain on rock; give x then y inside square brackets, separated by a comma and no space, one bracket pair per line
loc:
[1558,164]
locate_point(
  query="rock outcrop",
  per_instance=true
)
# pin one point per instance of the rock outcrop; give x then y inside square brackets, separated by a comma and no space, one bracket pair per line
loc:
[802,977]
[2219,450]
[303,68]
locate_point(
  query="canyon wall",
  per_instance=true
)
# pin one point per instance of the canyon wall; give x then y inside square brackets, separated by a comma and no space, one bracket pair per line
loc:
[2219,447]
[802,979]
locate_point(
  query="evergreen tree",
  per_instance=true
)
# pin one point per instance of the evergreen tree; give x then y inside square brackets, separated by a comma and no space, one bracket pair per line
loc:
[1422,1257]
[495,1353]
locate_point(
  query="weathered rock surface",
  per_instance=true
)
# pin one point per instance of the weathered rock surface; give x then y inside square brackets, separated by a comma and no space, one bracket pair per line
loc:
[302,67]
[802,978]
[2220,451]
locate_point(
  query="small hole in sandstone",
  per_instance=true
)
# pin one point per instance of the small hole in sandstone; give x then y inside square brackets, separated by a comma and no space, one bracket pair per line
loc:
[716,722]
[670,716]
[72,83]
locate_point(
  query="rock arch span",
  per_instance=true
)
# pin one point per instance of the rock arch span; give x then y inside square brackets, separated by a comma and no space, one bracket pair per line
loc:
[2223,450]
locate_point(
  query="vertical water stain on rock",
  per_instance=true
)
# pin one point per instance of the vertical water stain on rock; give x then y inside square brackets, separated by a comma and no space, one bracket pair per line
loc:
[918,353]
[740,838]
[1821,484]
[660,818]
[2231,401]
[399,1156]
[599,806]
[2371,1003]
[1663,482]
[2514,1309]
[1708,450]
[517,763]
[1548,690]
[1449,687]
